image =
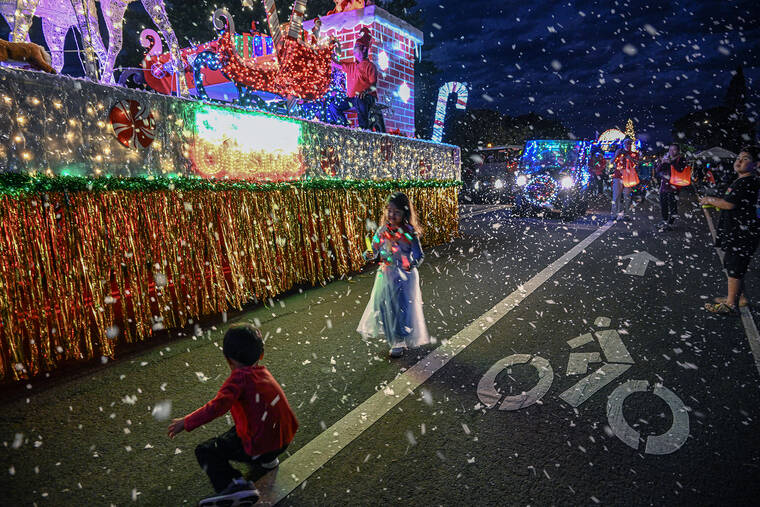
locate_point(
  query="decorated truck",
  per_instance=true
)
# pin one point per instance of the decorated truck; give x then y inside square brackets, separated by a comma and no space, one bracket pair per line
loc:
[553,175]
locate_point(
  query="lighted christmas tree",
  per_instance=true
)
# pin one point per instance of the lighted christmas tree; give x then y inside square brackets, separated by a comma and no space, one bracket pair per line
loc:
[629,132]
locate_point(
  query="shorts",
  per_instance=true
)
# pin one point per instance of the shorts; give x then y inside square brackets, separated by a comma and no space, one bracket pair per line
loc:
[737,262]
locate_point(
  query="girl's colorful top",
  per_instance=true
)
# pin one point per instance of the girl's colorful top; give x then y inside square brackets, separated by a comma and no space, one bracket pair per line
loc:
[397,246]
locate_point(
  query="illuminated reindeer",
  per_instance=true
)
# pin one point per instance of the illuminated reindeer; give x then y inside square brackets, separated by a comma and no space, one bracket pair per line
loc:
[58,16]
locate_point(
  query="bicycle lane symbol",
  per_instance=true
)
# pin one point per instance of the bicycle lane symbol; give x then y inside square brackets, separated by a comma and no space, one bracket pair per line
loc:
[618,361]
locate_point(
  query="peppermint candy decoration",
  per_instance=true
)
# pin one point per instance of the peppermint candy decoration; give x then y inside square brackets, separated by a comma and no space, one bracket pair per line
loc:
[132,123]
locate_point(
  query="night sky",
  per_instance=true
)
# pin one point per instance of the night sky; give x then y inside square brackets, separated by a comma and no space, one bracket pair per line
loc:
[594,64]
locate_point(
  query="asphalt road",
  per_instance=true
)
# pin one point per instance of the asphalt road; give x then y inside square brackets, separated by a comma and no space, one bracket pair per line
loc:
[570,382]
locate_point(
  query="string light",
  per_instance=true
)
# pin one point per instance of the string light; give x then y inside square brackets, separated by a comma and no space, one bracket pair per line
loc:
[300,70]
[74,136]
[404,92]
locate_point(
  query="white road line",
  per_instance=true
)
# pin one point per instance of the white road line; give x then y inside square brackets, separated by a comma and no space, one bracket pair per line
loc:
[276,485]
[748,321]
[486,210]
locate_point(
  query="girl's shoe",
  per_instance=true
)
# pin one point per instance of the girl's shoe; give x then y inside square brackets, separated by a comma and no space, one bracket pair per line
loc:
[271,465]
[742,301]
[721,308]
[396,352]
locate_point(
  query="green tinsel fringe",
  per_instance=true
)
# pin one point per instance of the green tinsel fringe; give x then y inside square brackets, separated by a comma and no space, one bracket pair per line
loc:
[18,184]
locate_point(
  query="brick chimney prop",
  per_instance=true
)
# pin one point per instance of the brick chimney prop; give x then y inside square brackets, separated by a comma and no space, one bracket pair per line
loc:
[395,46]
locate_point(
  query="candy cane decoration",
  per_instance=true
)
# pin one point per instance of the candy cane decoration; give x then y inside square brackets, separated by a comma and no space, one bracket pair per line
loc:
[296,19]
[222,20]
[460,90]
[150,40]
[273,21]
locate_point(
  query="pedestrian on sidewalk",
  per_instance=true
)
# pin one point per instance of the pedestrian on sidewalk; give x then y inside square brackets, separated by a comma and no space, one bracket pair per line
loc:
[738,228]
[672,161]
[264,422]
[624,178]
[395,305]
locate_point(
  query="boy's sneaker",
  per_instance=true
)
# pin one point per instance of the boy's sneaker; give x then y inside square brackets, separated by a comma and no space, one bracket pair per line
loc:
[239,493]
[271,464]
[397,352]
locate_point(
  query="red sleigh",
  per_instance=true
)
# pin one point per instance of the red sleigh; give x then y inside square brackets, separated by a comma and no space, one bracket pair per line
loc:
[289,63]
[300,69]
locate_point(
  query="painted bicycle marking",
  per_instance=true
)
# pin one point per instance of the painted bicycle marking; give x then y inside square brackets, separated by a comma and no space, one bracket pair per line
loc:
[617,361]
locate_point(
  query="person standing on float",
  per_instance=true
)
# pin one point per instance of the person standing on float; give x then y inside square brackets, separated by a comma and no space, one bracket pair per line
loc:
[625,160]
[361,83]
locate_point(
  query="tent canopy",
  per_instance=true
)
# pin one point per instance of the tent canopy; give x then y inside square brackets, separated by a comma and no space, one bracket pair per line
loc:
[716,152]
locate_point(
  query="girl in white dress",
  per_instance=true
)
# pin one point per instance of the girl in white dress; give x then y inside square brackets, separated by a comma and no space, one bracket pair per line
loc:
[395,305]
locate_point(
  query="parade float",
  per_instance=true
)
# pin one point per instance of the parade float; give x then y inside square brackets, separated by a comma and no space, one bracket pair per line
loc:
[554,175]
[125,212]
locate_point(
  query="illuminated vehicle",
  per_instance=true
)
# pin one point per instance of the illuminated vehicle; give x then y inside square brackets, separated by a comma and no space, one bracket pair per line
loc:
[489,175]
[553,175]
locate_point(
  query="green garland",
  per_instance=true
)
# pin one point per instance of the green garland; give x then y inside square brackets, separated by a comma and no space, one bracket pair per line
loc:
[18,184]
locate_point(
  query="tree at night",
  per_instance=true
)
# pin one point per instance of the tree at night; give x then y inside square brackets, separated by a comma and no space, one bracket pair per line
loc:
[726,125]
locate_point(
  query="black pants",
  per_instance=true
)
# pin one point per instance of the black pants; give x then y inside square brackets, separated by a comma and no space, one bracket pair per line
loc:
[362,106]
[668,206]
[214,456]
[598,183]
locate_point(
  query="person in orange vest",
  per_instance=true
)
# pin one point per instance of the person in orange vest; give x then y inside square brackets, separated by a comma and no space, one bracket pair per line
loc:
[626,160]
[673,160]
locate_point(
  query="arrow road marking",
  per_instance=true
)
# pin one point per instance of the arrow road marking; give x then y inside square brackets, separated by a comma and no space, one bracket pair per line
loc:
[639,263]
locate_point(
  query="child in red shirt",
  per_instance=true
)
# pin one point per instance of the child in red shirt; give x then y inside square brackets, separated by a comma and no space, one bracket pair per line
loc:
[264,422]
